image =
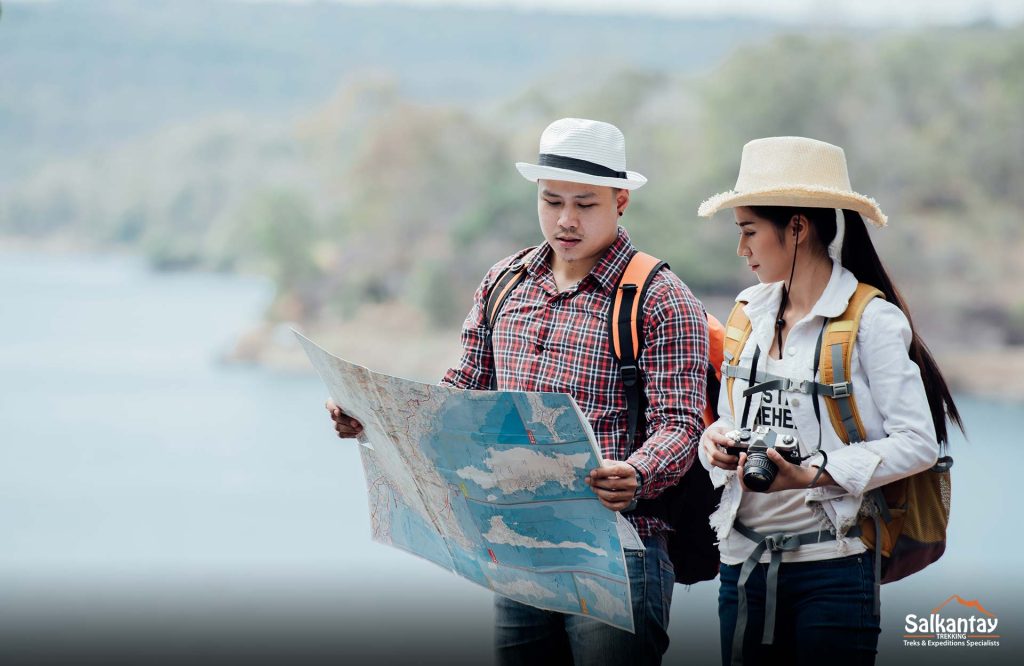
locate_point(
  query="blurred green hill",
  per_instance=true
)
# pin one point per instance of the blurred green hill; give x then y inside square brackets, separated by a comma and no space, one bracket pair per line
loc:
[380,196]
[81,76]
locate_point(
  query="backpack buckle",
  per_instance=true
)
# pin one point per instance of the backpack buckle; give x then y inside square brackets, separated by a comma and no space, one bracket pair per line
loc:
[801,386]
[629,374]
[780,542]
[842,390]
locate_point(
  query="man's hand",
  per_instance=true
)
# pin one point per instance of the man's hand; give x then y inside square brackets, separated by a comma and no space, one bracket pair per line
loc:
[714,442]
[346,426]
[615,484]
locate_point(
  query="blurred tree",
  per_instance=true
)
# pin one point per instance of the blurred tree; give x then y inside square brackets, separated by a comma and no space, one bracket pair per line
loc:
[279,227]
[370,198]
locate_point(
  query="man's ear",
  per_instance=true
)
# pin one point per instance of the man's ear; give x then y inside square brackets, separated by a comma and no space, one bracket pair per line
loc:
[622,200]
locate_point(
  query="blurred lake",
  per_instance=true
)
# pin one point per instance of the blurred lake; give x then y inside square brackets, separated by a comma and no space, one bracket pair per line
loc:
[156,505]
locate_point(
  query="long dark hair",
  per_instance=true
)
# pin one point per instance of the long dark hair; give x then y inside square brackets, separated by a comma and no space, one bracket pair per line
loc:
[860,258]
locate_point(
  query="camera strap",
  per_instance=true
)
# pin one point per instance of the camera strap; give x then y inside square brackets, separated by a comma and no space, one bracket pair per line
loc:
[817,408]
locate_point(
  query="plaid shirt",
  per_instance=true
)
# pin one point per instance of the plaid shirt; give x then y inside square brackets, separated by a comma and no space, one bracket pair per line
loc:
[544,340]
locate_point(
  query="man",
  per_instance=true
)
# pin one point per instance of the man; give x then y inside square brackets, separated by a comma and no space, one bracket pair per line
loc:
[552,335]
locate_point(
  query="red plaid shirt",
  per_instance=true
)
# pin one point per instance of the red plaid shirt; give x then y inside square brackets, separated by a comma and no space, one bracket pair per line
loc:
[544,340]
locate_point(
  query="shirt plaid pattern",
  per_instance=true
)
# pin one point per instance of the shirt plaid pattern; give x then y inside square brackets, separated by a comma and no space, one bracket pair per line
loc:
[544,340]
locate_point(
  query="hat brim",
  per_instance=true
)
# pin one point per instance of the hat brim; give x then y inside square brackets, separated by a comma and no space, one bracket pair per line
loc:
[535,172]
[810,197]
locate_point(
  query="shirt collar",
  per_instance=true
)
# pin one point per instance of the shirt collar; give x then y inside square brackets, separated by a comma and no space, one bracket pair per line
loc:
[763,298]
[606,271]
[837,294]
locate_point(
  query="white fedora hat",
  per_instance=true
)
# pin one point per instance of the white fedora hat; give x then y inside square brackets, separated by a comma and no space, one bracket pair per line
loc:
[794,171]
[582,151]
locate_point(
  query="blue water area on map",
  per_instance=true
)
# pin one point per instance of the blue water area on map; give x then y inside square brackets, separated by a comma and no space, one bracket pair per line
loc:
[461,513]
[398,524]
[511,418]
[554,591]
[478,444]
[455,444]
[470,563]
[557,525]
[567,424]
[451,451]
[610,607]
[411,532]
[469,466]
[500,423]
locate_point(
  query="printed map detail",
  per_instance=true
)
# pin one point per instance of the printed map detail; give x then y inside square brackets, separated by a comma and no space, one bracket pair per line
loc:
[488,484]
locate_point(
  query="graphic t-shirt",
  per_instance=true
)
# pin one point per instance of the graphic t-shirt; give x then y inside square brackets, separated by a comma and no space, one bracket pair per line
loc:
[783,511]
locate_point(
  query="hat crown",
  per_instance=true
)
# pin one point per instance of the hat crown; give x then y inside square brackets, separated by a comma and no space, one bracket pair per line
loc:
[790,162]
[591,140]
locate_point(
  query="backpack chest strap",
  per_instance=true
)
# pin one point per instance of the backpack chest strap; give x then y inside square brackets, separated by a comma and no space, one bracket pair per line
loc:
[771,382]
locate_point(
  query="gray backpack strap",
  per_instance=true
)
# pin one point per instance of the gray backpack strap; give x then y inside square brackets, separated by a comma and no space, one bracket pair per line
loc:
[842,392]
[771,382]
[776,544]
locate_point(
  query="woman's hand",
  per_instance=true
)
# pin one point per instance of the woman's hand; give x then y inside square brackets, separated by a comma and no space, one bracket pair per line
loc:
[714,442]
[789,476]
[346,426]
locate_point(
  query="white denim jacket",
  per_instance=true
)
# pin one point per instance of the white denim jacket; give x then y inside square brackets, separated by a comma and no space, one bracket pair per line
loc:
[886,385]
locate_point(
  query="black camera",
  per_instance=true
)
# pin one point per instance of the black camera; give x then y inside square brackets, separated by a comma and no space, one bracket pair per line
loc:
[759,471]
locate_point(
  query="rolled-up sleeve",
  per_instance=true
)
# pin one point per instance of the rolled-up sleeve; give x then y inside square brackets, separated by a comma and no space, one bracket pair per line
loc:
[476,366]
[674,367]
[718,475]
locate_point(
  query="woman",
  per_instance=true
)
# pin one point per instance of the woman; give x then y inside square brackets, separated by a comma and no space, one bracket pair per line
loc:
[802,233]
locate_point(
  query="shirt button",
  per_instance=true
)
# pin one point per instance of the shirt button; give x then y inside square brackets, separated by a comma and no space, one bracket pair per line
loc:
[791,351]
[540,348]
[795,402]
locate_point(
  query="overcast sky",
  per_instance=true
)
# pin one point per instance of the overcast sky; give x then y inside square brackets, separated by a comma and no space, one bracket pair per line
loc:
[875,12]
[871,12]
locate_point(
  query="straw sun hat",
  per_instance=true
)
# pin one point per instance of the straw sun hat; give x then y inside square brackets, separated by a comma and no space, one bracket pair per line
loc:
[582,151]
[794,171]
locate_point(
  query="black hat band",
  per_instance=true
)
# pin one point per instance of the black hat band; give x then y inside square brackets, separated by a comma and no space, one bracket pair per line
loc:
[582,166]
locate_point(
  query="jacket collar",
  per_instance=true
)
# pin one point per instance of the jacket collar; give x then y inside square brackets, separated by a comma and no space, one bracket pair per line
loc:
[763,299]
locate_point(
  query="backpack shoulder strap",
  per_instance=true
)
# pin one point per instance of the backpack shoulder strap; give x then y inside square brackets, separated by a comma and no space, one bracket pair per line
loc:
[625,324]
[838,339]
[737,331]
[716,358]
[507,280]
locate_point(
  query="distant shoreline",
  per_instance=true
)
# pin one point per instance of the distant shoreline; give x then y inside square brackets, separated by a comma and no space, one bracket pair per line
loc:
[396,340]
[384,342]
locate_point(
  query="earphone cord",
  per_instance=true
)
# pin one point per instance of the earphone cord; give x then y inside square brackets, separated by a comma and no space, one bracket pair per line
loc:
[779,321]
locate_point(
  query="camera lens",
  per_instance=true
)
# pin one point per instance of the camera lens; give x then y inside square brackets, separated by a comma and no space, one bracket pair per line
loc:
[759,471]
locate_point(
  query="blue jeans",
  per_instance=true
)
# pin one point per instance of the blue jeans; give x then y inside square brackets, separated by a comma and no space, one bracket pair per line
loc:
[824,613]
[528,636]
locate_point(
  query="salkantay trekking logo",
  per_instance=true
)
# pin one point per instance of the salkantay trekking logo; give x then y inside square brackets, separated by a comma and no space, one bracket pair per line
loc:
[977,629]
